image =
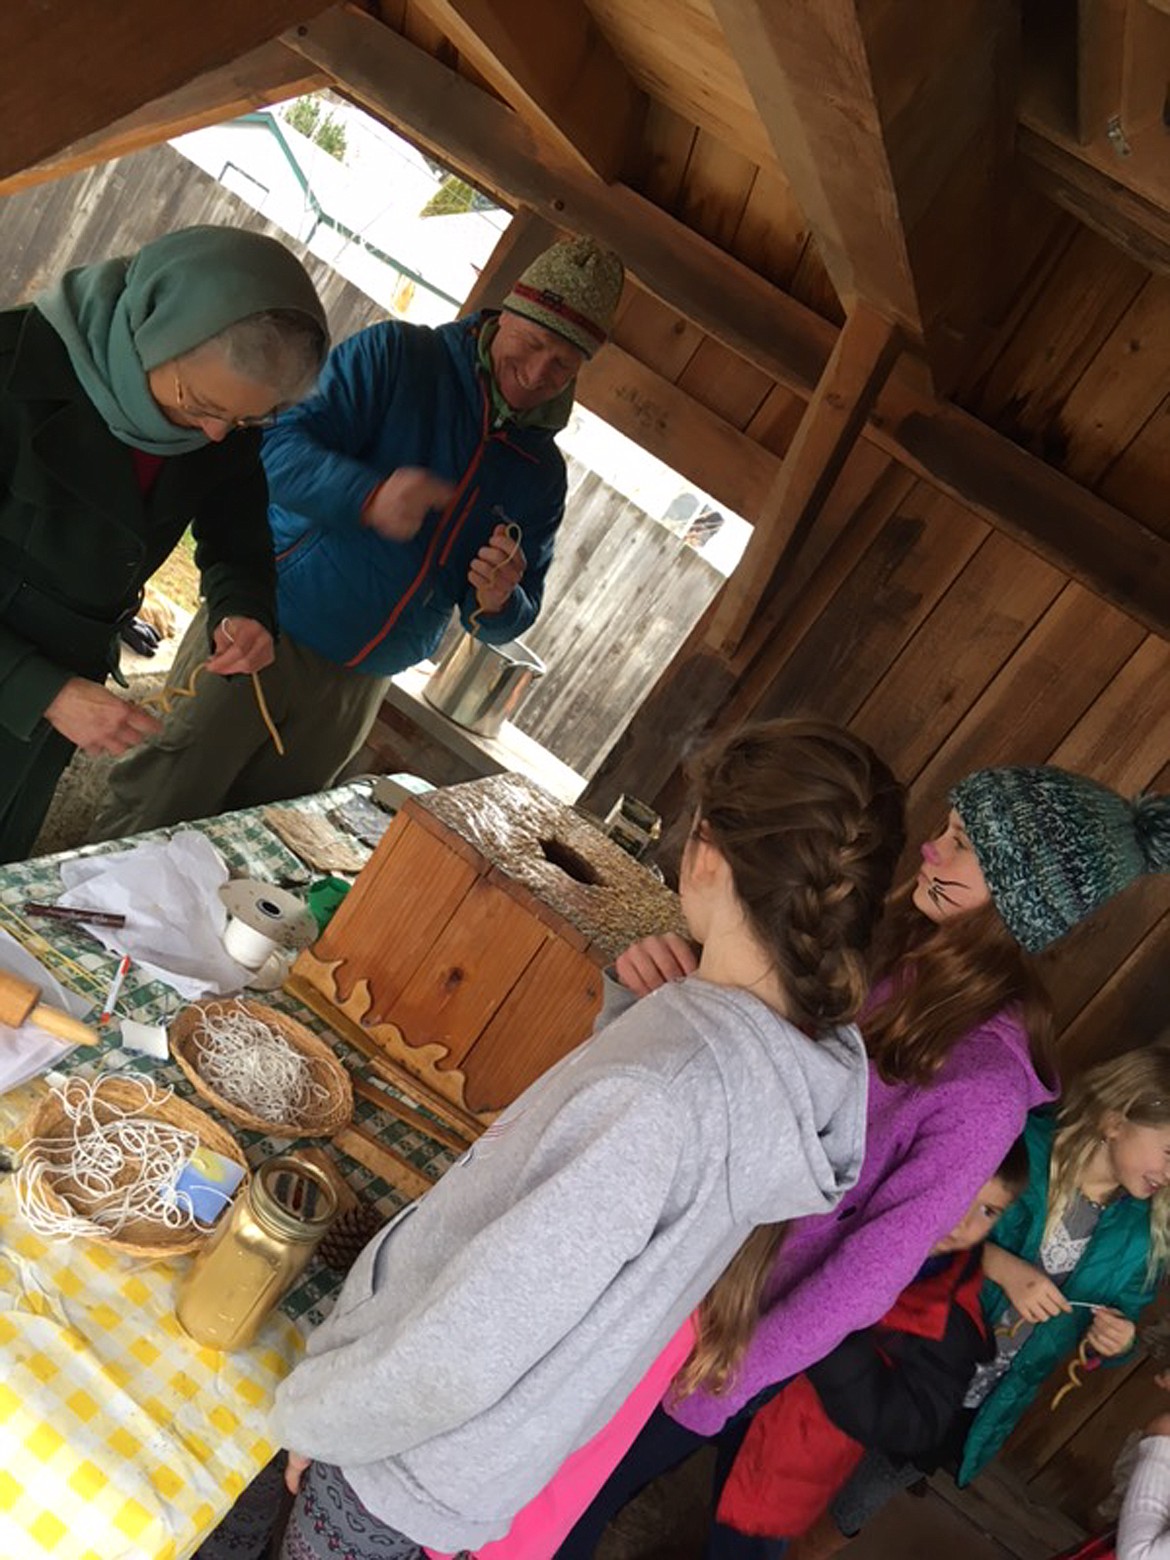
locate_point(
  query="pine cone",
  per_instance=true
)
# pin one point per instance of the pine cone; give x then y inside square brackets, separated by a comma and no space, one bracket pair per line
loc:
[349,1235]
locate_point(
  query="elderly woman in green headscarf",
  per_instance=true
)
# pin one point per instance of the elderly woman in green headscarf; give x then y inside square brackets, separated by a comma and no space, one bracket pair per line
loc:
[131,395]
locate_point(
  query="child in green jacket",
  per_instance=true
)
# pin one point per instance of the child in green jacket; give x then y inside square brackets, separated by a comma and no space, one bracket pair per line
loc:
[1077,1258]
[1073,1261]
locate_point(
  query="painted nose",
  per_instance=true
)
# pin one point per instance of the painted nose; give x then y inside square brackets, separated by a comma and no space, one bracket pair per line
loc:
[930,854]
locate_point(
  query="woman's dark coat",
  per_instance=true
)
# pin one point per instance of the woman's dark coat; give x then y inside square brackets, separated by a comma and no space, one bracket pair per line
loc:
[78,542]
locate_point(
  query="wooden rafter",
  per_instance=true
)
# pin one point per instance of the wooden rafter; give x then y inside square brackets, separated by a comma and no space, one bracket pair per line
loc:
[698,444]
[1098,545]
[1118,212]
[554,65]
[266,75]
[72,67]
[893,124]
[833,419]
[492,146]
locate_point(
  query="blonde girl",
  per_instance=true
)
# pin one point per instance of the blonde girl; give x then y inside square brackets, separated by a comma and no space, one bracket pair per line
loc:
[1092,1230]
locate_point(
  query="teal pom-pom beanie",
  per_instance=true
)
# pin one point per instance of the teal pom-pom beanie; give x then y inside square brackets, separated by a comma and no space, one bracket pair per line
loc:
[1053,846]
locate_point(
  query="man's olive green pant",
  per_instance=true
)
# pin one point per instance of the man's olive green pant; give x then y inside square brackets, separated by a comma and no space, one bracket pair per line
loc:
[215,754]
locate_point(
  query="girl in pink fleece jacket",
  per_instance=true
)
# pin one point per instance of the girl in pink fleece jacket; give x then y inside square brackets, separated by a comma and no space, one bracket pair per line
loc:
[958,1034]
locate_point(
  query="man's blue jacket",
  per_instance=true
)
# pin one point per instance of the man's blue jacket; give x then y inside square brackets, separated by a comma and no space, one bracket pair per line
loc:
[403,395]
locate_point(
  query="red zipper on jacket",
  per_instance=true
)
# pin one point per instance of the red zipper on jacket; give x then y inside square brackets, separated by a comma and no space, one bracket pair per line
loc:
[428,557]
[499,437]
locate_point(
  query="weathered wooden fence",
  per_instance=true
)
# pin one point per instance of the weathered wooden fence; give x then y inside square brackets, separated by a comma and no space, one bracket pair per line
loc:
[117,207]
[623,592]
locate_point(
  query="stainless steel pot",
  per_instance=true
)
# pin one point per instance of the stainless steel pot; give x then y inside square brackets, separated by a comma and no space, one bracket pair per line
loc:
[480,686]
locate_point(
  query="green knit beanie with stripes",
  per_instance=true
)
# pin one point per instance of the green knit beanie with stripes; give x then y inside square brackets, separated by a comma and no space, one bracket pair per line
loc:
[573,289]
[1053,846]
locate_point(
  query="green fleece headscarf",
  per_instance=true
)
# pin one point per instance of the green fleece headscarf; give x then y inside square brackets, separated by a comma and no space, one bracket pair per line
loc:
[121,318]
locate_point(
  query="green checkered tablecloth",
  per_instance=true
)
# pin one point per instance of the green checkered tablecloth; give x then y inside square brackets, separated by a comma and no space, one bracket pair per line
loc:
[120,1438]
[250,849]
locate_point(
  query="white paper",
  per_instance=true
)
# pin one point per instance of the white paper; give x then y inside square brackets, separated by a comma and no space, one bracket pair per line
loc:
[169,893]
[150,1039]
[26,1051]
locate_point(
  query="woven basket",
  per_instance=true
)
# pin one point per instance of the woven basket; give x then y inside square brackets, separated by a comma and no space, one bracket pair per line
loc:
[322,1120]
[141,1237]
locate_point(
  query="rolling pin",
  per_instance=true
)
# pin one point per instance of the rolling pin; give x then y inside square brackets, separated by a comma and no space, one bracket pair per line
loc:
[20,1003]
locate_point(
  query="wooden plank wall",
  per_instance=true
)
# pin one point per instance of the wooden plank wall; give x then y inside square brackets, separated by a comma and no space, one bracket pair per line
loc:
[1005,660]
[1083,376]
[621,596]
[951,647]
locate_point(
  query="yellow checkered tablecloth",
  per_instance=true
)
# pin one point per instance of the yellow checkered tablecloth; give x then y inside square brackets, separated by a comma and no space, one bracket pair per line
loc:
[120,1438]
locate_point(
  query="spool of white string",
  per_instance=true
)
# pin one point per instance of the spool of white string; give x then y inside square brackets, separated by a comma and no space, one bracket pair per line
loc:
[252,1065]
[118,1164]
[246,945]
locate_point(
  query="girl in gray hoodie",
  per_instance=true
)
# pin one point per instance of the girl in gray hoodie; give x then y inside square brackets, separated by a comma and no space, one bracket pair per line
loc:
[499,1323]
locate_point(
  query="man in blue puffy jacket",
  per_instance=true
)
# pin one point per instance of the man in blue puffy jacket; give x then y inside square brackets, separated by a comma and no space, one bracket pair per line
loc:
[420,479]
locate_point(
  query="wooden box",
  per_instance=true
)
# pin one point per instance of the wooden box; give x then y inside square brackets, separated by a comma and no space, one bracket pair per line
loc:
[469,951]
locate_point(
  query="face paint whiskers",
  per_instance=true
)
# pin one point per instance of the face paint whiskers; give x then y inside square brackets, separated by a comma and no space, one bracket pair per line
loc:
[937,889]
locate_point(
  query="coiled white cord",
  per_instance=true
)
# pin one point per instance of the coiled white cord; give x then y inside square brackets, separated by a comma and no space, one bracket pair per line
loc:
[119,1163]
[252,1065]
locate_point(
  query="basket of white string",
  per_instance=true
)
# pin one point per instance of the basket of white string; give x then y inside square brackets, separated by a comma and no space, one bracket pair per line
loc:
[261,1069]
[102,1158]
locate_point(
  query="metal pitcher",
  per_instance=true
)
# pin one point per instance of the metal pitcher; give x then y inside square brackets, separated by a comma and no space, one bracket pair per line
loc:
[480,686]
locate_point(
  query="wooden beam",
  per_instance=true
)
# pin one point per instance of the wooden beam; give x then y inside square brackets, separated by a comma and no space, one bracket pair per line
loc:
[1118,212]
[434,107]
[72,67]
[556,68]
[834,417]
[525,237]
[701,446]
[893,125]
[491,145]
[1112,554]
[267,75]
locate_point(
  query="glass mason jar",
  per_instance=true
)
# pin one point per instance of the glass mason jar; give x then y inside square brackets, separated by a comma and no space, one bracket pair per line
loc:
[257,1254]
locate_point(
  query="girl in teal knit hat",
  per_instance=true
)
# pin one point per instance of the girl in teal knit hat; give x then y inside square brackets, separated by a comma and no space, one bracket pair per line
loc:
[1053,846]
[959,1033]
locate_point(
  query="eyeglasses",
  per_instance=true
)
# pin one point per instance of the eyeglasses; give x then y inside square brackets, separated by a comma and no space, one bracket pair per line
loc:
[193,409]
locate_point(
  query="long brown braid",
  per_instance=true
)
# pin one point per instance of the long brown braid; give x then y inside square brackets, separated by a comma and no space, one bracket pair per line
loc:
[811,824]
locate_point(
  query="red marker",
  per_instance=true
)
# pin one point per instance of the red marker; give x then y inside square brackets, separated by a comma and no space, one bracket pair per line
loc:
[115,988]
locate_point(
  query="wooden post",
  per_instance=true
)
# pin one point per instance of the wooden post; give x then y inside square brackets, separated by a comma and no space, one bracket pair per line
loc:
[865,351]
[525,237]
[554,65]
